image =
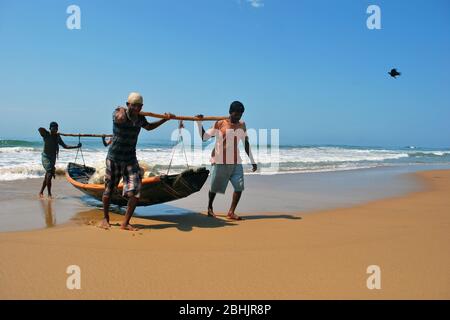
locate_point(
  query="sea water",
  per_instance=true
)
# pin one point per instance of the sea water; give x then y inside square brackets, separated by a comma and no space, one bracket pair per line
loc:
[21,159]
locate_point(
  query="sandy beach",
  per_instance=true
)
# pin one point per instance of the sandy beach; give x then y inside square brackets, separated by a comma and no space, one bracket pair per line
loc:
[272,255]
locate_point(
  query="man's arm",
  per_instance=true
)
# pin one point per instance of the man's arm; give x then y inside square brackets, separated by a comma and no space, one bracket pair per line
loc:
[153,125]
[43,132]
[248,150]
[65,146]
[120,115]
[203,134]
[202,131]
[106,143]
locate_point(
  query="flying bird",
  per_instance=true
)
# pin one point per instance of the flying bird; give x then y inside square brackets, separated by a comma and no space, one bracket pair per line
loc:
[394,73]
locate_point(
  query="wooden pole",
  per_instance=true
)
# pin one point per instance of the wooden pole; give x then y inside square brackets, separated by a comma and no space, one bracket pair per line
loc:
[147,114]
[161,116]
[85,135]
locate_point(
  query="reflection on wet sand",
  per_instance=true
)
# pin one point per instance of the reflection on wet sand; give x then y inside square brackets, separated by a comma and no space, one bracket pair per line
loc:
[47,211]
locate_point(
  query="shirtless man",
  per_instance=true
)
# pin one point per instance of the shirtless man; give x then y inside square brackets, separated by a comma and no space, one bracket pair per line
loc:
[52,141]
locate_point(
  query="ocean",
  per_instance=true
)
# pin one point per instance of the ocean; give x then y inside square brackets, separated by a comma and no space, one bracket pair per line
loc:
[20,159]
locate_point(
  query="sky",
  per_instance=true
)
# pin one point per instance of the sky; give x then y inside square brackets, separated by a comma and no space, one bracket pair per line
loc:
[311,69]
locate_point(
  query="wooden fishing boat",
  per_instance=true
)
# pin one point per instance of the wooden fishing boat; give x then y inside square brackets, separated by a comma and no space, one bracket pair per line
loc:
[154,190]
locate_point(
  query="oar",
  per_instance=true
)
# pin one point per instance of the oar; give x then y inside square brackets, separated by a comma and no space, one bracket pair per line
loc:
[85,135]
[161,116]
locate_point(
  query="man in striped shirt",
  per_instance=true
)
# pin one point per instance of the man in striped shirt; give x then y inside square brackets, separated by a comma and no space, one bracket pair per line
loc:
[121,160]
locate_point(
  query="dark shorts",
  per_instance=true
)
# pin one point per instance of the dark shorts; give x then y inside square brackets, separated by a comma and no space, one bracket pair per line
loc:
[131,174]
[48,164]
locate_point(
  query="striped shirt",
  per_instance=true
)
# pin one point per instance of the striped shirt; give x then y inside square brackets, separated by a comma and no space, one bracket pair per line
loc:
[124,140]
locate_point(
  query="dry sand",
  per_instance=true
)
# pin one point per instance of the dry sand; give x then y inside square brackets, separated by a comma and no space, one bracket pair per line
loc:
[268,256]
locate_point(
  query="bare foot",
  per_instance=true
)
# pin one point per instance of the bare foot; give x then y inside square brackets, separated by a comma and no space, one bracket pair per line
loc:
[233,216]
[41,195]
[211,213]
[104,224]
[128,227]
[49,196]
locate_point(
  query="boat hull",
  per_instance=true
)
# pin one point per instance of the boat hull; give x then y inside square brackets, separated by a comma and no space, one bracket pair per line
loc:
[154,190]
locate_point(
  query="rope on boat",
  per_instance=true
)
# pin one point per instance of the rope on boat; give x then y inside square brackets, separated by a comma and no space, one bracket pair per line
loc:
[81,153]
[179,139]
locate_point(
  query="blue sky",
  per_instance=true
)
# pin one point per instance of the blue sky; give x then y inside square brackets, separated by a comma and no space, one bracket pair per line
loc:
[310,68]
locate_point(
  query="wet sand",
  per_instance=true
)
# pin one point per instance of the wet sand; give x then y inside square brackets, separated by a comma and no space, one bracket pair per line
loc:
[266,256]
[21,208]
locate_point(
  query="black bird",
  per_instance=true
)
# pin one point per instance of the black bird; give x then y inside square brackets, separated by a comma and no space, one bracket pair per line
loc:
[394,73]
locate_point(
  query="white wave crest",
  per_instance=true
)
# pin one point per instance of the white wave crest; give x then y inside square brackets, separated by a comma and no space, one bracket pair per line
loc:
[18,150]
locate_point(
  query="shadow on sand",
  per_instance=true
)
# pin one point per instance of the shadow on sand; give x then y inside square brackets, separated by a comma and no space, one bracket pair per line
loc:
[188,221]
[175,217]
